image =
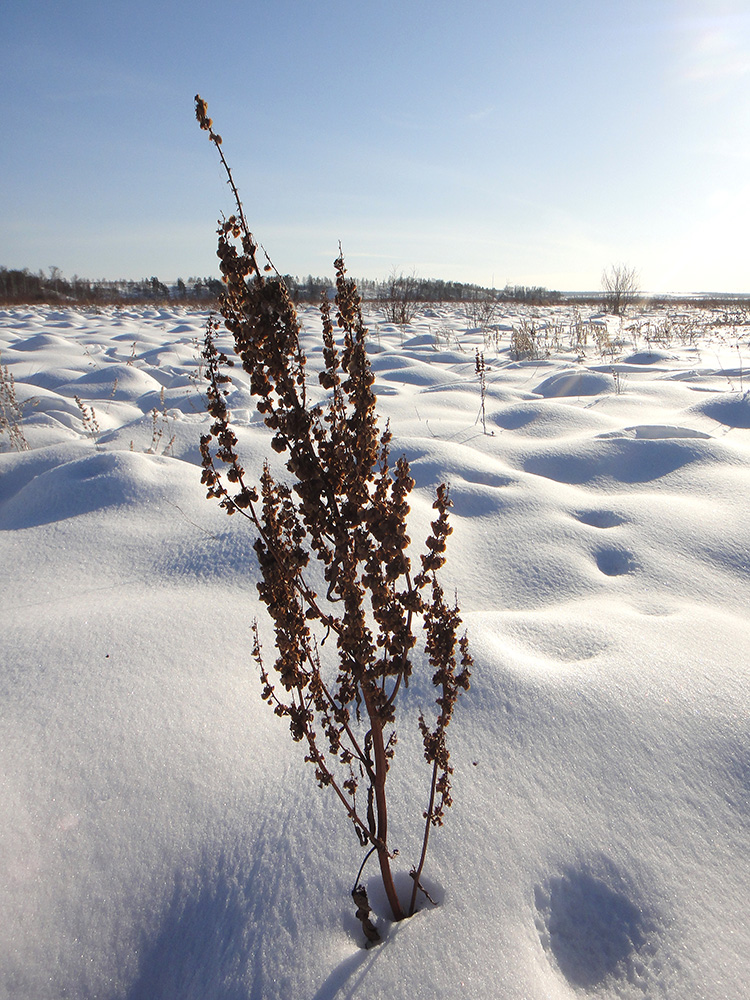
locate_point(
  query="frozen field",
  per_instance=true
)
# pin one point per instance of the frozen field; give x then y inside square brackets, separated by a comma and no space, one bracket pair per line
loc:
[161,838]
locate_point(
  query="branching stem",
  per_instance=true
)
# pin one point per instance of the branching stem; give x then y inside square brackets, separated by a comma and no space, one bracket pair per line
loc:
[425,840]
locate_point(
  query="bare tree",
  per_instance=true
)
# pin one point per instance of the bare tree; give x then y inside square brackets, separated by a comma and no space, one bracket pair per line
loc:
[55,274]
[398,298]
[621,287]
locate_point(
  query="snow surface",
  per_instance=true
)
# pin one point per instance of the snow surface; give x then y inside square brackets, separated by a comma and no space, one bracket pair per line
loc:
[161,837]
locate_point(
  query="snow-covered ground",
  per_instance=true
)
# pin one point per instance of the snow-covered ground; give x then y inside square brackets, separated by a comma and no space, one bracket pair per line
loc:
[161,838]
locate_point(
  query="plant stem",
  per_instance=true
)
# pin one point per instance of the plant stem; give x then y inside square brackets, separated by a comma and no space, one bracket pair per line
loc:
[418,873]
[381,767]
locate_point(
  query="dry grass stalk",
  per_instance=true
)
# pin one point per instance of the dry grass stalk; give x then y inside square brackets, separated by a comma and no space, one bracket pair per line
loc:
[158,428]
[524,342]
[481,372]
[11,414]
[88,418]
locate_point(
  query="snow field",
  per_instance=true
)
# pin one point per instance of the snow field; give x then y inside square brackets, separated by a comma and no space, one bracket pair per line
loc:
[162,837]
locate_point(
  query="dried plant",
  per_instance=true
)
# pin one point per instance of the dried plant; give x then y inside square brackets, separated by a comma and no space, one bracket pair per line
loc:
[341,520]
[524,342]
[10,411]
[398,298]
[607,347]
[579,331]
[160,424]
[621,288]
[481,313]
[88,418]
[619,380]
[481,373]
[443,335]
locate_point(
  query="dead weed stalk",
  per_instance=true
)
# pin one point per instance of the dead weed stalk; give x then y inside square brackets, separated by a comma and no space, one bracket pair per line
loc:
[11,414]
[342,520]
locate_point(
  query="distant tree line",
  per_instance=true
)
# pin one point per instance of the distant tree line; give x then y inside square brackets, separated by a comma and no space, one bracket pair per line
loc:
[25,286]
[396,294]
[420,290]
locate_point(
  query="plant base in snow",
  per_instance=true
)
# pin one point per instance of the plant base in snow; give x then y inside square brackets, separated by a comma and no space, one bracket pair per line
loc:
[372,934]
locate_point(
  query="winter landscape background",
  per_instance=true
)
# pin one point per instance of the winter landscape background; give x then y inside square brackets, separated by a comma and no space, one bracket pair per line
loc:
[161,836]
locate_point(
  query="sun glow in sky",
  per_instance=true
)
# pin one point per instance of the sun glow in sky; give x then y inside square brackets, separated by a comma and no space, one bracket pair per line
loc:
[502,141]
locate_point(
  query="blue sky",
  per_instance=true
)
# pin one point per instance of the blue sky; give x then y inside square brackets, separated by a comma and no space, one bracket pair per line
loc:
[525,142]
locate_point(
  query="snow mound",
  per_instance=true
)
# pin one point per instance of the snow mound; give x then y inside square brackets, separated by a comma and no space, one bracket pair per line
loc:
[730,409]
[575,383]
[615,459]
[115,381]
[52,486]
[649,358]
[656,432]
